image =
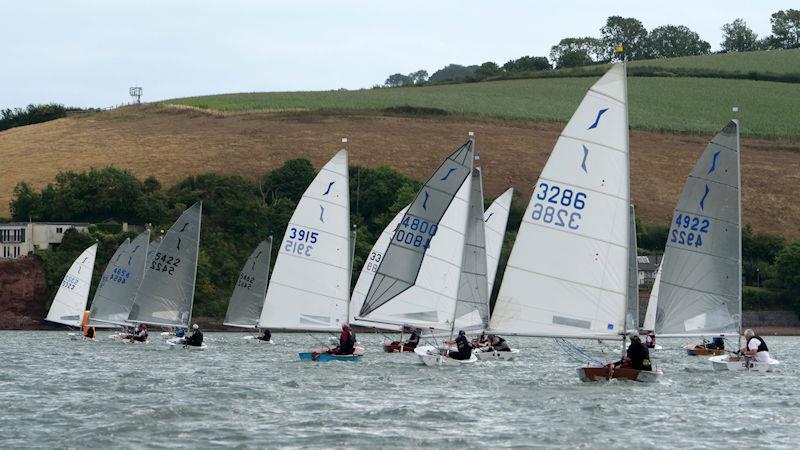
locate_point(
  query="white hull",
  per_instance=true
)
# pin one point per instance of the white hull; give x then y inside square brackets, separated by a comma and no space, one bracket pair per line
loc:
[430,356]
[178,343]
[494,355]
[726,362]
[253,340]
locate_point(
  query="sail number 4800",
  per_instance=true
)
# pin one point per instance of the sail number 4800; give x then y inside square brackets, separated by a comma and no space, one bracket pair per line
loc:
[558,206]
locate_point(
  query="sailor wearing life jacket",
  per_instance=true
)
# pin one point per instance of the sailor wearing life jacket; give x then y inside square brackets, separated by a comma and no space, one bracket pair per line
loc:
[755,347]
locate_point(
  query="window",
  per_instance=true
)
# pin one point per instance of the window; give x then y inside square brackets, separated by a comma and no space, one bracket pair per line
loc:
[59,230]
[16,251]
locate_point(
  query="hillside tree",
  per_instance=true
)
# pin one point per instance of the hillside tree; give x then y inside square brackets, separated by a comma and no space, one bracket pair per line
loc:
[628,32]
[452,72]
[785,29]
[486,70]
[738,37]
[527,64]
[787,265]
[574,52]
[419,77]
[398,80]
[670,41]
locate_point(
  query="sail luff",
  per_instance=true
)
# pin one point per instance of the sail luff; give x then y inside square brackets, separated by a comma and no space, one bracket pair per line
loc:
[739,208]
[632,310]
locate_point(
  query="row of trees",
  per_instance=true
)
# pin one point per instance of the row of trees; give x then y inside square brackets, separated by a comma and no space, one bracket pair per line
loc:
[17,117]
[667,41]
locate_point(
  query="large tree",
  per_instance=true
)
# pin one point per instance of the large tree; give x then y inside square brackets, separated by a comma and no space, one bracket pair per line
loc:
[670,41]
[787,264]
[785,29]
[398,80]
[486,70]
[527,64]
[625,31]
[738,37]
[574,52]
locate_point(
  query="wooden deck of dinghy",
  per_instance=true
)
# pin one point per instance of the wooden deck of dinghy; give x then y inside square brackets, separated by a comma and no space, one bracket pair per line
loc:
[606,373]
[394,347]
[694,350]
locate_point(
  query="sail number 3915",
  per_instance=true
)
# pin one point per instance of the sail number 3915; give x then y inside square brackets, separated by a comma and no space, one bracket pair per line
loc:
[300,241]
[555,205]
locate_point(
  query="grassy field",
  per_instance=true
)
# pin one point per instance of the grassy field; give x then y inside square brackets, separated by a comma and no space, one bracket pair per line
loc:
[773,61]
[695,105]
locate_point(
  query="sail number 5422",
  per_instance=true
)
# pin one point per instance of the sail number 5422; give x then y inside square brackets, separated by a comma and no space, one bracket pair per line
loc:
[559,206]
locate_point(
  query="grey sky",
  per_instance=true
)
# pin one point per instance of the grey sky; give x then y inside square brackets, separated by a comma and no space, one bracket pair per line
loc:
[87,53]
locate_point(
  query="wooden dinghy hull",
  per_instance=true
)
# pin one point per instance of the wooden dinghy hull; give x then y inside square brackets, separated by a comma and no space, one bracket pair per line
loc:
[397,347]
[695,350]
[605,373]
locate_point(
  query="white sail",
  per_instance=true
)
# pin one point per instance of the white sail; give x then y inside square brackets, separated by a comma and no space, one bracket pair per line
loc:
[113,298]
[567,274]
[417,280]
[700,286]
[496,221]
[70,300]
[248,296]
[368,272]
[652,304]
[310,285]
[166,293]
[472,305]
[632,306]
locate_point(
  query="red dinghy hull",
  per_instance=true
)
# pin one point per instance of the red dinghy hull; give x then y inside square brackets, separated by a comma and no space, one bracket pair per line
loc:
[605,373]
[394,347]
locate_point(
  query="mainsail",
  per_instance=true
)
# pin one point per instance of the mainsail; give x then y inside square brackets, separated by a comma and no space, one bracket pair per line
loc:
[248,296]
[310,284]
[370,268]
[113,298]
[652,304]
[700,287]
[495,221]
[166,293]
[472,305]
[417,280]
[70,300]
[567,275]
[632,306]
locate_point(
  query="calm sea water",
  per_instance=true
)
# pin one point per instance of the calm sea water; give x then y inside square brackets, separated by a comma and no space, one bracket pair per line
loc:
[55,392]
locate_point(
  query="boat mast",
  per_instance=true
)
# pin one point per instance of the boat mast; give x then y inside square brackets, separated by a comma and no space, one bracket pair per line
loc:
[627,181]
[735,109]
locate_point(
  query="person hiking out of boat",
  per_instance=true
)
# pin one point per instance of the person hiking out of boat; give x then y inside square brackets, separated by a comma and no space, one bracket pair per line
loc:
[482,341]
[498,344]
[637,356]
[464,348]
[755,347]
[89,334]
[140,334]
[265,335]
[196,338]
[347,342]
[650,340]
[717,343]
[413,340]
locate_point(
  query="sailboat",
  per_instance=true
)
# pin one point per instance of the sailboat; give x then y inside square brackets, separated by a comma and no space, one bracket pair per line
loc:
[567,276]
[70,301]
[248,296]
[113,298]
[310,284]
[166,294]
[649,323]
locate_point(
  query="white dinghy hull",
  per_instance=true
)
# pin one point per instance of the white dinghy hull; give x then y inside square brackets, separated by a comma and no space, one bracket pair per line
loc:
[727,362]
[494,355]
[254,340]
[178,343]
[430,356]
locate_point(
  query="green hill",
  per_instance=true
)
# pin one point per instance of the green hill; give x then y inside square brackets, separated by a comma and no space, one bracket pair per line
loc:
[763,63]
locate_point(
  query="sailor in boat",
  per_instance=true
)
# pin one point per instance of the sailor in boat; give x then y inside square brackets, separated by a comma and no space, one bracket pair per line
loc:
[265,335]
[196,338]
[89,333]
[637,357]
[139,334]
[482,340]
[499,344]
[347,342]
[717,343]
[755,347]
[464,348]
[650,340]
[180,332]
[413,340]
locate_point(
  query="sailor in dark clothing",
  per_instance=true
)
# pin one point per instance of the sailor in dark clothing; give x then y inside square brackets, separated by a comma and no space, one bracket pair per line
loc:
[464,348]
[180,332]
[266,335]
[637,357]
[717,343]
[347,342]
[498,344]
[413,340]
[196,338]
[482,341]
[140,334]
[89,334]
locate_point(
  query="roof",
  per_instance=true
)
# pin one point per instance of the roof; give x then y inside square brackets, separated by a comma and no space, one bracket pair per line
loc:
[649,262]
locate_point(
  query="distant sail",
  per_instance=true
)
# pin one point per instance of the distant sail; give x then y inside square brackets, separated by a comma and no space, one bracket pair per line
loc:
[472,306]
[310,284]
[700,286]
[166,294]
[368,272]
[567,275]
[652,305]
[248,296]
[632,306]
[496,221]
[417,233]
[113,298]
[69,303]
[417,280]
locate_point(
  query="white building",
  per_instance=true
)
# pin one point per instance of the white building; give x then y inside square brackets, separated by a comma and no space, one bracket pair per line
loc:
[20,238]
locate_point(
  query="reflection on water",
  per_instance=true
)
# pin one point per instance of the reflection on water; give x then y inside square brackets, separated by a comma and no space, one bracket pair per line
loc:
[56,392]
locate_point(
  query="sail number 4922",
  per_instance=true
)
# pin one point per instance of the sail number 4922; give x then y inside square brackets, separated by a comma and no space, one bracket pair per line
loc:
[559,206]
[688,230]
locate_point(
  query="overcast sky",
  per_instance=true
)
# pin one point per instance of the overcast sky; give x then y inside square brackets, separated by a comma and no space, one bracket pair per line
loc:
[87,53]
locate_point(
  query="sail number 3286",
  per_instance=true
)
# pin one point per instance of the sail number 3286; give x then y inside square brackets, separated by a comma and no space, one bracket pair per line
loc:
[555,205]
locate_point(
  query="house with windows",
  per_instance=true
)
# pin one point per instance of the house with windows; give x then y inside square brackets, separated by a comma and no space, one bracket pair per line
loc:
[648,266]
[17,239]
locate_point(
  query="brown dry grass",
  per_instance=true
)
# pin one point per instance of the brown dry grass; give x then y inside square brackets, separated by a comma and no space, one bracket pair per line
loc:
[171,143]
